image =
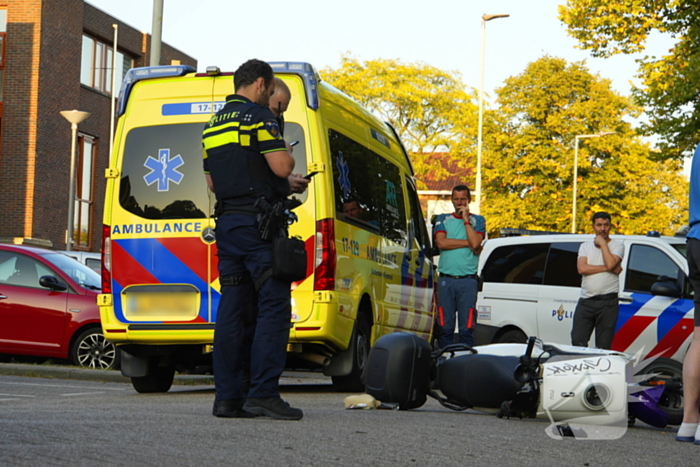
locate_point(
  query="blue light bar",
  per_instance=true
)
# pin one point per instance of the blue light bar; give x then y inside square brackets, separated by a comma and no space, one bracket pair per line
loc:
[307,73]
[149,72]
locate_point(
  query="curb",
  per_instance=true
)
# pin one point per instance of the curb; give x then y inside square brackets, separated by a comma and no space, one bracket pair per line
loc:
[86,374]
[113,376]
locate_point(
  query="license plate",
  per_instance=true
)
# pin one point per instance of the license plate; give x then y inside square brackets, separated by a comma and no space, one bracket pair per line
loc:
[171,306]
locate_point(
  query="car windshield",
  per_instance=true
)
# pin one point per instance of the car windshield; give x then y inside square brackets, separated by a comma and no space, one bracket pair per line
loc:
[81,274]
[681,248]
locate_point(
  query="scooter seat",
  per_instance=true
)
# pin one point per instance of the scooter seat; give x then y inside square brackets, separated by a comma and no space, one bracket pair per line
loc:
[479,380]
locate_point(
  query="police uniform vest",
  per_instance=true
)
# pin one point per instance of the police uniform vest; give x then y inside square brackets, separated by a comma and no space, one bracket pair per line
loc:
[235,141]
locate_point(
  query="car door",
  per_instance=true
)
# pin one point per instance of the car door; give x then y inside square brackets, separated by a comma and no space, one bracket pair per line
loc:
[33,317]
[512,277]
[652,324]
[559,293]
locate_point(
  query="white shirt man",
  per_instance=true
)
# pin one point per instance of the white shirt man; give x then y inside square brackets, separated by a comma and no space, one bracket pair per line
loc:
[599,264]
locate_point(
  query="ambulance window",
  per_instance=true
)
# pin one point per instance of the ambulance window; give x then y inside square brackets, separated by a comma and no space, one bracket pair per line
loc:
[417,227]
[161,174]
[644,267]
[295,132]
[516,264]
[561,269]
[368,189]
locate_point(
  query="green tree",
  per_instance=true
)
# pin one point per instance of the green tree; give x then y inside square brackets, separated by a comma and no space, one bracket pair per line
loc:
[671,83]
[430,109]
[528,171]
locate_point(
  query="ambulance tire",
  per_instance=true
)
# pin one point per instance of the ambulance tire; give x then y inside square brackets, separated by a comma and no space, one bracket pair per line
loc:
[514,336]
[158,380]
[361,336]
[671,400]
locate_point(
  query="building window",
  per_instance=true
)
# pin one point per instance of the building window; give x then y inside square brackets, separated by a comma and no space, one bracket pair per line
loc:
[96,65]
[82,216]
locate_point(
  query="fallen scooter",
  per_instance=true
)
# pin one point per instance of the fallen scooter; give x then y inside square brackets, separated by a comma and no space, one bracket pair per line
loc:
[564,384]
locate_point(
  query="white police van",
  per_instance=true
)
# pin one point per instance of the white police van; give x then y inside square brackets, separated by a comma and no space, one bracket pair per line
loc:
[531,286]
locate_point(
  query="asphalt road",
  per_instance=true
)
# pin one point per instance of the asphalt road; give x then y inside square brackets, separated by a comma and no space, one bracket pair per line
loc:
[67,422]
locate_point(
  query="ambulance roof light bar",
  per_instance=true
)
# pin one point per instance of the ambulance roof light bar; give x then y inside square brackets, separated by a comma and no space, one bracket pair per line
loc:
[307,73]
[149,72]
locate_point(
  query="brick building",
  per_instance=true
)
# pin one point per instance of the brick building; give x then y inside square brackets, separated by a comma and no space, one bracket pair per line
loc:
[57,55]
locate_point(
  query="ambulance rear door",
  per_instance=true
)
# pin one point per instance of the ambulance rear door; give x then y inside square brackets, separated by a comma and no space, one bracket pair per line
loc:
[162,232]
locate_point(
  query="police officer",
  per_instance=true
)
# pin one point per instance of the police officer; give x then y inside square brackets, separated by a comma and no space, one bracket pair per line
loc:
[245,159]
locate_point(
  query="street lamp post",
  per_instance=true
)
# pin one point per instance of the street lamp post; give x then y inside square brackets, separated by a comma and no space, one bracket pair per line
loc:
[573,204]
[479,144]
[74,117]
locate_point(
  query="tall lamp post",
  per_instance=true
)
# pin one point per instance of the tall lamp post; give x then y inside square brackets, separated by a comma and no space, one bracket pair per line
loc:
[74,117]
[576,140]
[479,144]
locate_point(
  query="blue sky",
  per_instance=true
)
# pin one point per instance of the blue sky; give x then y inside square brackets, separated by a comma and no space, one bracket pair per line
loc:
[442,33]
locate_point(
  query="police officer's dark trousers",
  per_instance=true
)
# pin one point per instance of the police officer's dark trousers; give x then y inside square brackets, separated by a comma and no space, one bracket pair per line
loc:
[241,251]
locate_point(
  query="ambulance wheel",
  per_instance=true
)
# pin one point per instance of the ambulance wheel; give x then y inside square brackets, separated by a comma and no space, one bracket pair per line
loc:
[158,380]
[513,336]
[361,336]
[671,401]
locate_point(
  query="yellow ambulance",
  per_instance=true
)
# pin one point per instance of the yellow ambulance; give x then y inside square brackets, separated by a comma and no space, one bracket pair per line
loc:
[369,269]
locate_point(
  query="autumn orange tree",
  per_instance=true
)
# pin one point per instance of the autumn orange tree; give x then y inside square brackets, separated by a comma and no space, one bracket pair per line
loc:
[528,171]
[432,110]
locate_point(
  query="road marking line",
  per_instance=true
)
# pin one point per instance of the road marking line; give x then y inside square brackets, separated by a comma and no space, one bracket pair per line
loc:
[60,386]
[81,394]
[16,395]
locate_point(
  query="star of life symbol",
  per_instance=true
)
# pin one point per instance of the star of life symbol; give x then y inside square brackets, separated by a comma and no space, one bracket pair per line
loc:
[343,176]
[163,170]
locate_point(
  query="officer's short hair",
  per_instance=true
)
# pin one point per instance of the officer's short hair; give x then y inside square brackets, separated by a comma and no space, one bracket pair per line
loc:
[601,215]
[250,71]
[462,188]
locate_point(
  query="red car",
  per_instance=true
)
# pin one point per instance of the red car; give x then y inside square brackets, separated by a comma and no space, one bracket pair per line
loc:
[48,308]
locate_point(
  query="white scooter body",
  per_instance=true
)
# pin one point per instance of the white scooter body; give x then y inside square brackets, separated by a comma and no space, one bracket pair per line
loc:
[576,384]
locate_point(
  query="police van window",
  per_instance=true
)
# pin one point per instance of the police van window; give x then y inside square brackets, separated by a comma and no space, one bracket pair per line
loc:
[368,189]
[162,175]
[645,265]
[561,269]
[681,248]
[516,264]
[294,132]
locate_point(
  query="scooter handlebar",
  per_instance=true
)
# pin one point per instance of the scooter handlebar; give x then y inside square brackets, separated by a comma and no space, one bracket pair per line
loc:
[530,346]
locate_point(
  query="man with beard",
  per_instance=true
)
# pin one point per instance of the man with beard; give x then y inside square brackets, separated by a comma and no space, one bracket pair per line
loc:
[599,265]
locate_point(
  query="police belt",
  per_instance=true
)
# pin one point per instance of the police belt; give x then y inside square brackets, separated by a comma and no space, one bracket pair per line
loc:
[248,210]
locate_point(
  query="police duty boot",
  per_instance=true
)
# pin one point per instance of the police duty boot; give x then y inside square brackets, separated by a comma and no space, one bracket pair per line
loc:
[273,407]
[230,409]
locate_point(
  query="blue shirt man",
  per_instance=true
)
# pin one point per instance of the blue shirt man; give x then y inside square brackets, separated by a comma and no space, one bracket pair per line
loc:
[458,236]
[689,429]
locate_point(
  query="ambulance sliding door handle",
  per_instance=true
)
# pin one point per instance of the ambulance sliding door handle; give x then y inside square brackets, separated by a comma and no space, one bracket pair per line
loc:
[626,299]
